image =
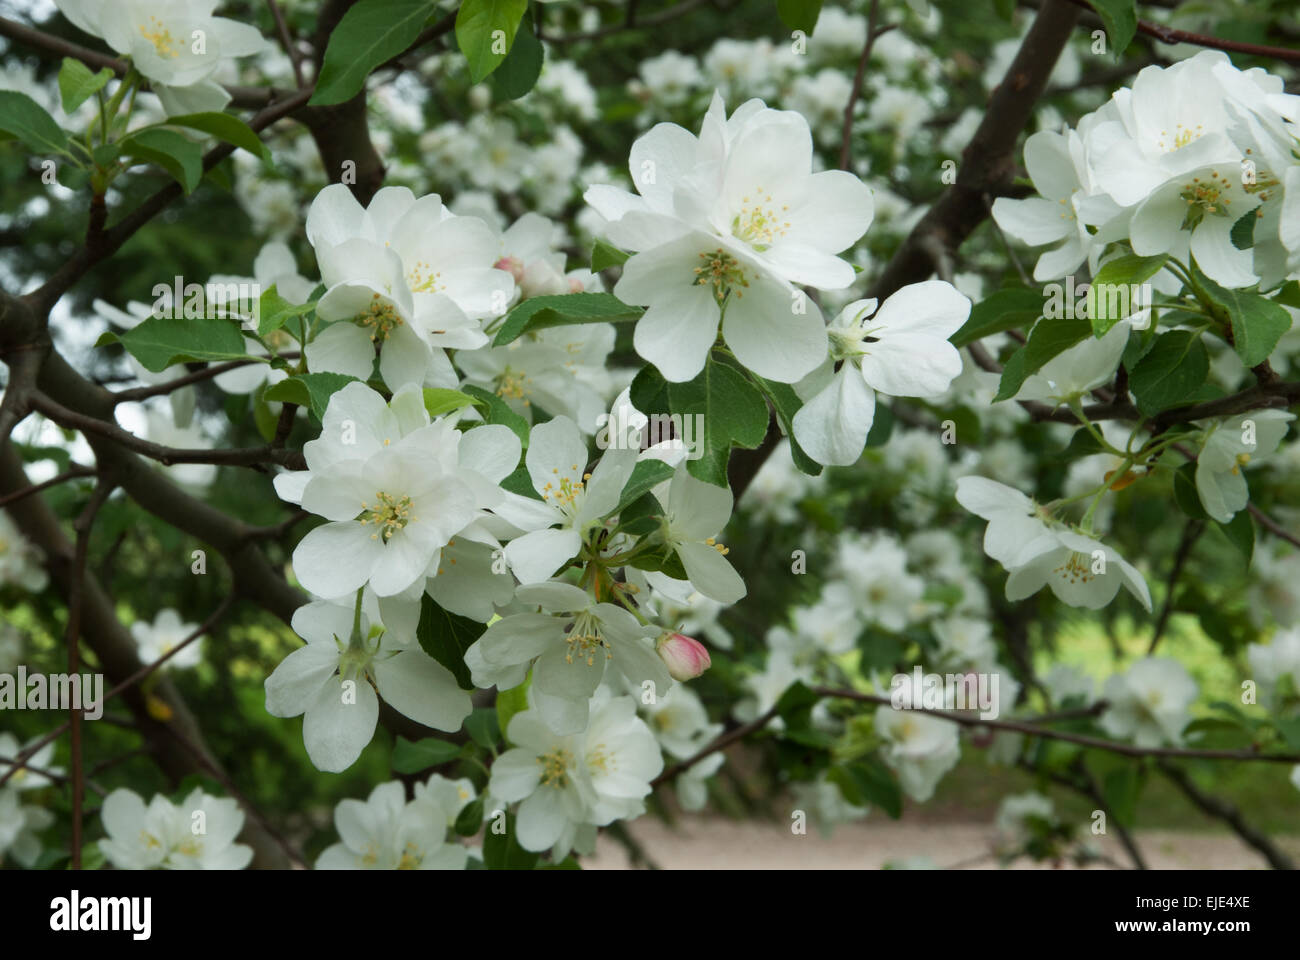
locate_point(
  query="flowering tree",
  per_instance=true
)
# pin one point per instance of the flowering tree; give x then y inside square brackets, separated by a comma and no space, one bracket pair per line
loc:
[540,400]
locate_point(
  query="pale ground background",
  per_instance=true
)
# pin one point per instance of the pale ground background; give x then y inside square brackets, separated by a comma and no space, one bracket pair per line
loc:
[716,843]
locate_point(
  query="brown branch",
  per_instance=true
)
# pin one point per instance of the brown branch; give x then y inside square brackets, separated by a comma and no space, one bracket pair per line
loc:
[44,772]
[239,457]
[846,137]
[1191,532]
[1229,814]
[286,41]
[724,741]
[641,23]
[73,473]
[1171,36]
[1272,526]
[214,370]
[83,526]
[1030,728]
[111,240]
[113,645]
[989,162]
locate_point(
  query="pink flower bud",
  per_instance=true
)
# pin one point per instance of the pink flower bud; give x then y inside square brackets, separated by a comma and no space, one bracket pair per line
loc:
[685,657]
[513,266]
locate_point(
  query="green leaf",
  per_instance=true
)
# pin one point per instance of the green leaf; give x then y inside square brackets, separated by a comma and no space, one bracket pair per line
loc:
[77,83]
[1006,309]
[1257,322]
[178,155]
[470,819]
[1171,372]
[1119,17]
[439,401]
[371,33]
[646,475]
[1120,788]
[496,410]
[1048,339]
[159,342]
[1240,531]
[795,705]
[24,118]
[224,126]
[510,702]
[1289,294]
[501,851]
[309,390]
[1242,234]
[446,636]
[273,311]
[538,313]
[649,391]
[877,785]
[1289,727]
[799,14]
[1185,495]
[521,67]
[521,482]
[882,427]
[415,757]
[1120,281]
[485,32]
[786,403]
[605,255]
[1006,9]
[733,413]
[481,725]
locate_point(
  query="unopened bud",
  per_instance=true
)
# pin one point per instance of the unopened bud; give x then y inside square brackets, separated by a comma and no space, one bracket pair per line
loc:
[685,657]
[512,266]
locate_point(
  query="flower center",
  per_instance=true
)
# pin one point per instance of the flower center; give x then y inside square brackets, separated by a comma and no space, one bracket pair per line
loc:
[555,767]
[600,759]
[412,857]
[1242,460]
[1076,569]
[585,640]
[758,223]
[568,494]
[1204,197]
[161,38]
[1182,136]
[381,316]
[422,278]
[513,384]
[722,272]
[390,514]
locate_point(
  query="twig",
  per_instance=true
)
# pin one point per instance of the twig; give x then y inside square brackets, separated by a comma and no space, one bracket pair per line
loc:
[83,526]
[1191,532]
[1034,730]
[138,675]
[239,457]
[1172,36]
[214,370]
[72,473]
[286,40]
[724,741]
[1229,814]
[856,92]
[52,774]
[1272,526]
